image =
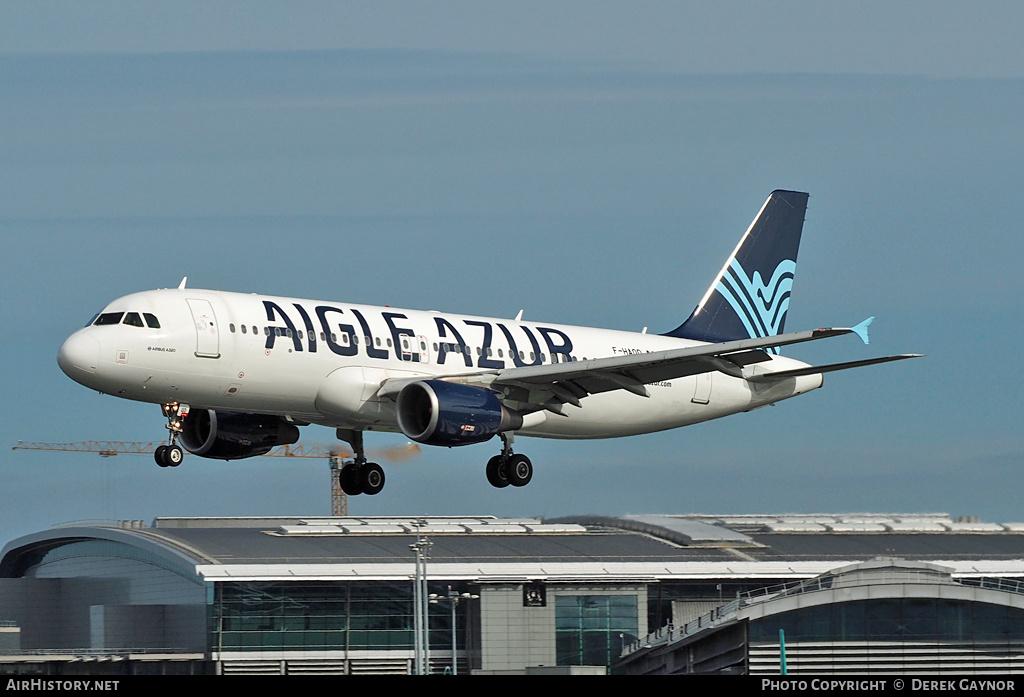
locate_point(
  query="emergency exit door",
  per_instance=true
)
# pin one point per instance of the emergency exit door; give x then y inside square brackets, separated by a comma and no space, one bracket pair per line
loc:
[207,336]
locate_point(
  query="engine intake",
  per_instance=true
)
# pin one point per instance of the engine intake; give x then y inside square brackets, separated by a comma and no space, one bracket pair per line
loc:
[444,413]
[228,435]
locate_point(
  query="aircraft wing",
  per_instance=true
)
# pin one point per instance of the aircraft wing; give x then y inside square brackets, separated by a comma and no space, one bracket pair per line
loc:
[531,388]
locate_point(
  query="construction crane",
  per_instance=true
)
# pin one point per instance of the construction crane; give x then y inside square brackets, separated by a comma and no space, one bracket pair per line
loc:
[335,455]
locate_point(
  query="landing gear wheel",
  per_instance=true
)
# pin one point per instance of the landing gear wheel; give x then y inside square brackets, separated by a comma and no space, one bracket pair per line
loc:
[360,476]
[497,472]
[168,455]
[371,477]
[348,480]
[519,470]
[173,455]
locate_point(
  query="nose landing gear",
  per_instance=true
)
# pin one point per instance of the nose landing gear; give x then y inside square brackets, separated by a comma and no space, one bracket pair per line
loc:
[171,454]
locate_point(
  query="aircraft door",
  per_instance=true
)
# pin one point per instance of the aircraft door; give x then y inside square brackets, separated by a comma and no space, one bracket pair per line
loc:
[424,349]
[414,349]
[207,336]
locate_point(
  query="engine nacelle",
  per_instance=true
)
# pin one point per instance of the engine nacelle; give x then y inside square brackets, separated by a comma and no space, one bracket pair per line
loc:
[228,435]
[444,413]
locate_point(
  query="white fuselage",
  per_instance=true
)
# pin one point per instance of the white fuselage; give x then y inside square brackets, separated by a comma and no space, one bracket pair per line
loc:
[323,362]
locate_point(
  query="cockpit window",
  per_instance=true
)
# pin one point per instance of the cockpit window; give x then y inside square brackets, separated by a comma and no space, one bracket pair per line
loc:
[89,323]
[151,321]
[133,319]
[109,318]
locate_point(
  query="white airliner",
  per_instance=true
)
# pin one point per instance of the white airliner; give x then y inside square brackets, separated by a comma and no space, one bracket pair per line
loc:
[236,374]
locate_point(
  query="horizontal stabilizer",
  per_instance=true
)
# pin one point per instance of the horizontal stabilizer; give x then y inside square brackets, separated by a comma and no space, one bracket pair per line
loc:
[816,369]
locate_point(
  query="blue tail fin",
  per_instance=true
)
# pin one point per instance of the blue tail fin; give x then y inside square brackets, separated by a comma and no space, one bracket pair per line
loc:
[750,296]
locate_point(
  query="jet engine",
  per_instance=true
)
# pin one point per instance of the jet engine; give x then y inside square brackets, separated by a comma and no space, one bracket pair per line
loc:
[444,413]
[227,435]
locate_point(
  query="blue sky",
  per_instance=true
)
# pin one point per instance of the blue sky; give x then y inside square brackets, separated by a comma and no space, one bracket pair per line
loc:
[592,163]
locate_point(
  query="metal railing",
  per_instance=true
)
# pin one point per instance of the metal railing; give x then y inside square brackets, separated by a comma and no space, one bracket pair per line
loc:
[670,632]
[97,653]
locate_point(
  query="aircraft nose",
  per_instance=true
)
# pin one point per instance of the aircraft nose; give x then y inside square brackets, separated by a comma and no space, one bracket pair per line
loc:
[79,354]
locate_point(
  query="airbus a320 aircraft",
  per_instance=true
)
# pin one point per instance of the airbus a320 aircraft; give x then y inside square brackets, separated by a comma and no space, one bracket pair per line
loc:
[236,374]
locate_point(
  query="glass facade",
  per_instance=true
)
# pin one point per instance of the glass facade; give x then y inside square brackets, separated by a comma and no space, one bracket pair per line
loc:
[894,619]
[590,630]
[325,616]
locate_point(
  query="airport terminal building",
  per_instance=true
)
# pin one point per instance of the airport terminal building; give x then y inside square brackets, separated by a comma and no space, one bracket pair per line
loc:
[637,594]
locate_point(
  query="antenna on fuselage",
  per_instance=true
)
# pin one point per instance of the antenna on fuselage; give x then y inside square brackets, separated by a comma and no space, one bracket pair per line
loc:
[181,286]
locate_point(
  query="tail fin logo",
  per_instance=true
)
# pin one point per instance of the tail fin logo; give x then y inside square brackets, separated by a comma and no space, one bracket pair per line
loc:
[749,297]
[760,306]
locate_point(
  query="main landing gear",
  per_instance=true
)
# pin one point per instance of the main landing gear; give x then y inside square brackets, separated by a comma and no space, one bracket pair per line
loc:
[509,468]
[171,454]
[359,476]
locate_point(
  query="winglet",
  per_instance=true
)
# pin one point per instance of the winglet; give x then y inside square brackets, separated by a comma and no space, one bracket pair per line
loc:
[181,286]
[861,329]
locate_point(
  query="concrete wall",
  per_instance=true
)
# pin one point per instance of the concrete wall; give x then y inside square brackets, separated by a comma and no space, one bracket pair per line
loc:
[514,636]
[35,606]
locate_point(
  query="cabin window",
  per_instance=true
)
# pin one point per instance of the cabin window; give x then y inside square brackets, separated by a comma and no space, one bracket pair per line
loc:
[231,327]
[243,329]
